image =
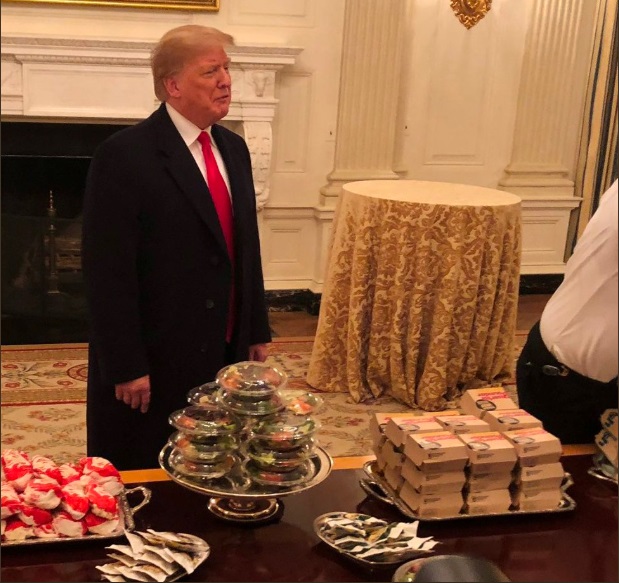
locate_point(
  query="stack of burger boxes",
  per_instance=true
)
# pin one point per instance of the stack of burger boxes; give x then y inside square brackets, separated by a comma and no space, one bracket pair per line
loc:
[433,473]
[539,473]
[397,430]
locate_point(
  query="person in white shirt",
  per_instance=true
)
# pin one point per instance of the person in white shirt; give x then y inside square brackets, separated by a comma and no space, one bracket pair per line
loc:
[567,372]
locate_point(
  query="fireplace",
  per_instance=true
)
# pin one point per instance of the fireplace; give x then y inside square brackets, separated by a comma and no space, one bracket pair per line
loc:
[44,168]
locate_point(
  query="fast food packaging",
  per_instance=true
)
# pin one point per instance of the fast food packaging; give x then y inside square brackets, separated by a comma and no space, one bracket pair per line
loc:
[540,477]
[430,482]
[397,429]
[529,500]
[487,502]
[377,425]
[505,420]
[489,452]
[394,477]
[439,451]
[431,505]
[482,481]
[535,446]
[392,455]
[478,401]
[459,424]
[380,460]
[610,421]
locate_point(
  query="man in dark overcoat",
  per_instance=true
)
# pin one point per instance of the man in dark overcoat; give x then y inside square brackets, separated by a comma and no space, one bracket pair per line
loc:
[175,292]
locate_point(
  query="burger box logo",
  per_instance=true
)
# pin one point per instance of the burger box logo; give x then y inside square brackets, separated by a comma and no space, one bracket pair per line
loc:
[511,419]
[535,446]
[478,401]
[489,452]
[459,424]
[441,451]
[397,429]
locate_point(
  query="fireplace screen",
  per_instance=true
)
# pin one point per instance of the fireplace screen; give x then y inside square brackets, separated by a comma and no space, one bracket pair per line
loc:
[44,169]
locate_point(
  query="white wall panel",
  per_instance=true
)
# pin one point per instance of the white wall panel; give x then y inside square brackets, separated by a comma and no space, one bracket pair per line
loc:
[272,12]
[293,113]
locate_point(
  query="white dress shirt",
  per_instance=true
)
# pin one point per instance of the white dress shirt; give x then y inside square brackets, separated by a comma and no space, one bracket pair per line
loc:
[190,132]
[579,323]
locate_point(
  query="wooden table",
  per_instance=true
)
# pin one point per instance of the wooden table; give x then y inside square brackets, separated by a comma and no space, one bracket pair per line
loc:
[421,292]
[575,546]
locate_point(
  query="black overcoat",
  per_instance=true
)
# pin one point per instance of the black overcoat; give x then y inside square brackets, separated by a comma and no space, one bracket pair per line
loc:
[158,277]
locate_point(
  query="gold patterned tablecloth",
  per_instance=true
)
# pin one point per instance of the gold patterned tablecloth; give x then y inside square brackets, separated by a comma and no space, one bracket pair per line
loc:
[421,292]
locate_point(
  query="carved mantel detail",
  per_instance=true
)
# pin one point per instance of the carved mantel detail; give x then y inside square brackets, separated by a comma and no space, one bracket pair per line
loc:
[110,81]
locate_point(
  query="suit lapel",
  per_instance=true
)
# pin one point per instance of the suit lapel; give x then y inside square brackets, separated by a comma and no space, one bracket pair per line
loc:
[182,167]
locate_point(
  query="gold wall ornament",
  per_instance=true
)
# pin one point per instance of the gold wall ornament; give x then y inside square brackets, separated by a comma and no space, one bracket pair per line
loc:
[470,12]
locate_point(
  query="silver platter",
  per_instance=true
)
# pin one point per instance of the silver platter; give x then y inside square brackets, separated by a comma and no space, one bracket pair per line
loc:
[222,488]
[602,469]
[375,485]
[126,523]
[391,562]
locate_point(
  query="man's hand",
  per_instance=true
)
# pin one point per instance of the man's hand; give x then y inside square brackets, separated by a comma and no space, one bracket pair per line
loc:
[135,393]
[258,352]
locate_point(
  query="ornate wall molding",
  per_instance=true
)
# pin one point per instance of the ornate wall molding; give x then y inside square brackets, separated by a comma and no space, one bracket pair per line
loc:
[107,80]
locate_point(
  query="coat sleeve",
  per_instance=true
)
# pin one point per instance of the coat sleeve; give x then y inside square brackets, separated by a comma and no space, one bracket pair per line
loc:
[110,241]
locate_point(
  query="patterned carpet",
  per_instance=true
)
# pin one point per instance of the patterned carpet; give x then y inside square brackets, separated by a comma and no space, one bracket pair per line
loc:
[43,400]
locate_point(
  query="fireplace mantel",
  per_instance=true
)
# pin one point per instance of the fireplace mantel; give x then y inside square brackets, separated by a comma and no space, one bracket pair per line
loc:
[62,79]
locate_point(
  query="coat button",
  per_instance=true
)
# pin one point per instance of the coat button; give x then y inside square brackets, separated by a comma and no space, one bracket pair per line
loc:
[210,304]
[214,260]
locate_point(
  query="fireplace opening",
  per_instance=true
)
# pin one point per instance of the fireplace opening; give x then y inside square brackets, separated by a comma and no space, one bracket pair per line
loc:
[43,171]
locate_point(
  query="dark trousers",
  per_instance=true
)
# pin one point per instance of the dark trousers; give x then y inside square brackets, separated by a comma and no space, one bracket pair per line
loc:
[568,404]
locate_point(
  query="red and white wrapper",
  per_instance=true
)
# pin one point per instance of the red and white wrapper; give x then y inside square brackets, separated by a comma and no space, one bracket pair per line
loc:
[17,468]
[104,473]
[47,530]
[43,466]
[33,516]
[42,492]
[102,503]
[74,500]
[11,502]
[98,525]
[69,473]
[16,530]
[66,526]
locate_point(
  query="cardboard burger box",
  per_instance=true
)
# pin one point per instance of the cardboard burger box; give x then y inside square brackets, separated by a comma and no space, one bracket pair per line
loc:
[392,455]
[487,502]
[459,424]
[535,446]
[439,451]
[397,429]
[505,420]
[431,505]
[477,401]
[380,460]
[536,499]
[489,452]
[377,425]
[430,482]
[394,477]
[607,443]
[482,481]
[610,421]
[540,477]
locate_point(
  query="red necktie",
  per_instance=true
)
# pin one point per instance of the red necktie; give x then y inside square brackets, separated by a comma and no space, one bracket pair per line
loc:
[223,206]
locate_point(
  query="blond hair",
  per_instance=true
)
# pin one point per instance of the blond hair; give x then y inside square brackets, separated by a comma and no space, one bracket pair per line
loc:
[179,45]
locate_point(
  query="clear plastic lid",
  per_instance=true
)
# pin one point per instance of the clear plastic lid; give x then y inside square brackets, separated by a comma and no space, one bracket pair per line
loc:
[244,406]
[203,395]
[195,420]
[270,459]
[193,469]
[302,403]
[285,427]
[252,379]
[208,450]
[299,475]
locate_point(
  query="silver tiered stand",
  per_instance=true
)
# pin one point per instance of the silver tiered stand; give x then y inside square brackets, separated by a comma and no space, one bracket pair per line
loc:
[254,503]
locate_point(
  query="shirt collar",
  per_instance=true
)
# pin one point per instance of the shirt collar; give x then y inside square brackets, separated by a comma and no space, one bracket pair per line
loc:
[188,130]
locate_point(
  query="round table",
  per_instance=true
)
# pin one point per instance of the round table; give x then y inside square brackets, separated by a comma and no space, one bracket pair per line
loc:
[421,292]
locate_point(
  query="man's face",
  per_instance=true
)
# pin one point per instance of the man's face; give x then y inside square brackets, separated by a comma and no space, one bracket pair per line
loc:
[201,91]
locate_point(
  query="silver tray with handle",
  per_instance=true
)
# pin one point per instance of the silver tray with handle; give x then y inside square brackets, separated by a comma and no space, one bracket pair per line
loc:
[375,485]
[126,523]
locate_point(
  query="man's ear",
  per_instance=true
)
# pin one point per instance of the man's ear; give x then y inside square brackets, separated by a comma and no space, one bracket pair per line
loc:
[171,86]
